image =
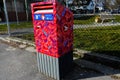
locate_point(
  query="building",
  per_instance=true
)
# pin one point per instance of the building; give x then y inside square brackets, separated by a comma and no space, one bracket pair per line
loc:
[17,9]
[1,11]
[10,4]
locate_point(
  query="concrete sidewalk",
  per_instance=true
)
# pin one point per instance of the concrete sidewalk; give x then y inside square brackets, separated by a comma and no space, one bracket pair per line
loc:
[17,64]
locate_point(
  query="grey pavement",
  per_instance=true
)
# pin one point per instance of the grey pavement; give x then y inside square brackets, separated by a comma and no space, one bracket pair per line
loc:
[18,64]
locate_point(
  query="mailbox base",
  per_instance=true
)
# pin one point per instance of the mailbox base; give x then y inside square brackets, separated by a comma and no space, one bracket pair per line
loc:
[53,67]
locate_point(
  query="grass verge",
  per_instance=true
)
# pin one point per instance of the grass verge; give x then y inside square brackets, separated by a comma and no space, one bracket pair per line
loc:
[102,40]
[85,20]
[29,36]
[90,19]
[14,26]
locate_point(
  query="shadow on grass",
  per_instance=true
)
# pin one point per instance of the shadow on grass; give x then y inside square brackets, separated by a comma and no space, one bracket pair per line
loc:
[84,17]
[25,35]
[96,68]
[111,53]
[84,72]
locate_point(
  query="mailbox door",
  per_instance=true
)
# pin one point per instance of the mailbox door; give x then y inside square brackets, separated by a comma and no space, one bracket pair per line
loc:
[45,30]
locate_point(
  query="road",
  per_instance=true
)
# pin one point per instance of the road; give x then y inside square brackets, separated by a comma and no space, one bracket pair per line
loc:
[18,64]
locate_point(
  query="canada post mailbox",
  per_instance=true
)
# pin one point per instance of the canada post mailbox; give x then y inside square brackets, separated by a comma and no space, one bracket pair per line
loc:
[53,31]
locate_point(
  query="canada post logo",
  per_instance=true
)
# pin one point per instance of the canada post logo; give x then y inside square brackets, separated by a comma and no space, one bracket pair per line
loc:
[37,17]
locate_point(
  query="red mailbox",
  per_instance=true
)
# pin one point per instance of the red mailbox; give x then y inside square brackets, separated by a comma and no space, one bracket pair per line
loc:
[53,31]
[53,28]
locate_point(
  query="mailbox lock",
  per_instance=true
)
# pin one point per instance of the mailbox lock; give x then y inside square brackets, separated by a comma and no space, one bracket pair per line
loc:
[38,26]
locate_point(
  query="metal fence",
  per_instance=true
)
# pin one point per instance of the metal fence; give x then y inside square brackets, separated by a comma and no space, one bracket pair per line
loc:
[89,32]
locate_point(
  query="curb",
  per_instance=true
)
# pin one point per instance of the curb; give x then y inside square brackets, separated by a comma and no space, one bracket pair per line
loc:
[107,60]
[22,44]
[17,40]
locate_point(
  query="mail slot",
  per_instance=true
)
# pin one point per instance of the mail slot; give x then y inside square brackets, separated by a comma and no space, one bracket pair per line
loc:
[53,32]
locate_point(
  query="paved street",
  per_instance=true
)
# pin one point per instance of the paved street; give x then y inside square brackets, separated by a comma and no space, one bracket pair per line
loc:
[18,64]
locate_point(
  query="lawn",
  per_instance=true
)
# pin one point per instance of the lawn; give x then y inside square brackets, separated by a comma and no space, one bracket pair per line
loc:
[14,26]
[90,19]
[85,20]
[117,18]
[29,36]
[103,40]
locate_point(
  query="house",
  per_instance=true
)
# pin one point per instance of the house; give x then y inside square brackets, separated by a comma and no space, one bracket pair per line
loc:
[10,5]
[1,11]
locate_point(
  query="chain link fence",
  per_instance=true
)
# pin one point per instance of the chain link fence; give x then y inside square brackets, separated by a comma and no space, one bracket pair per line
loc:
[90,33]
[98,33]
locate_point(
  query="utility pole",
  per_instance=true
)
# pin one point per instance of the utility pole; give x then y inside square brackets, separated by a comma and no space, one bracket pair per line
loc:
[6,16]
[94,6]
[26,8]
[16,12]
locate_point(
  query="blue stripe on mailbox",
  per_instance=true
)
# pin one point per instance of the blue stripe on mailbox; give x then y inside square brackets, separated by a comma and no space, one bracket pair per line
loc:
[49,17]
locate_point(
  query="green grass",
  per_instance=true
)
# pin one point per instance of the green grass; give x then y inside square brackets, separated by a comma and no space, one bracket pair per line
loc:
[91,19]
[29,36]
[14,26]
[103,40]
[85,20]
[117,18]
[3,28]
[82,20]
